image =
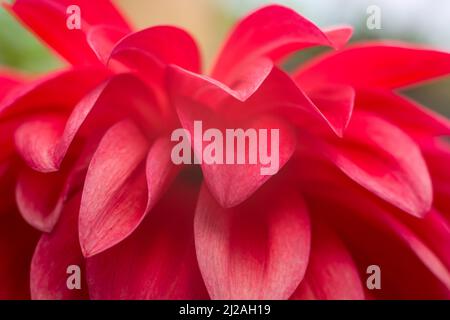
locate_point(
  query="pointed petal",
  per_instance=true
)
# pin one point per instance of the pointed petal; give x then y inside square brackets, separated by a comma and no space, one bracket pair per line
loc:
[339,35]
[335,103]
[48,19]
[384,160]
[40,93]
[158,260]
[421,122]
[258,250]
[102,40]
[54,254]
[376,64]
[273,32]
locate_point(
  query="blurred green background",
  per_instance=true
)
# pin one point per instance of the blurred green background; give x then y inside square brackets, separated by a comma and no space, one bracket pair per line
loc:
[421,21]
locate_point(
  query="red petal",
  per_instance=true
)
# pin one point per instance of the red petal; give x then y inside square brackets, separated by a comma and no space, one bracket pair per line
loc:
[384,160]
[158,260]
[420,123]
[383,64]
[331,273]
[401,255]
[163,45]
[273,32]
[41,197]
[434,230]
[265,88]
[8,172]
[160,170]
[17,242]
[217,106]
[232,184]
[98,109]
[339,35]
[102,40]
[48,19]
[54,253]
[258,250]
[40,94]
[107,104]
[35,140]
[114,194]
[335,103]
[7,83]
[380,234]
[120,189]
[437,155]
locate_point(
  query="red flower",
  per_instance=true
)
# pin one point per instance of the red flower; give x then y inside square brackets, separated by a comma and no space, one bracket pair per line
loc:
[360,164]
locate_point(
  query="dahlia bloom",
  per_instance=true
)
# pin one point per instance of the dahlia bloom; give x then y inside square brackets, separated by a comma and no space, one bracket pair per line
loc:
[86,155]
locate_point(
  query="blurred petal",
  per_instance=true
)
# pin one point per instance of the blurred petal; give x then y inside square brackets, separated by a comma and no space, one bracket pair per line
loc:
[420,121]
[158,260]
[48,19]
[378,233]
[54,253]
[17,242]
[384,64]
[258,250]
[331,273]
[102,40]
[437,155]
[71,85]
[339,35]
[8,82]
[8,172]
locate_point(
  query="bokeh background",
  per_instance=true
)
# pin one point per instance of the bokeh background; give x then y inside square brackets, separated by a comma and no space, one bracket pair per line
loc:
[420,21]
